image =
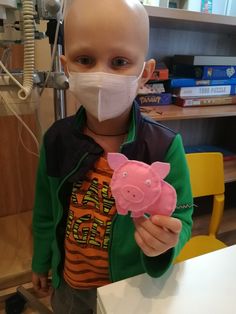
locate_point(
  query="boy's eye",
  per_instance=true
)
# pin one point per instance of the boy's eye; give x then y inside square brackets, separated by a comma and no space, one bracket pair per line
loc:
[85,60]
[119,62]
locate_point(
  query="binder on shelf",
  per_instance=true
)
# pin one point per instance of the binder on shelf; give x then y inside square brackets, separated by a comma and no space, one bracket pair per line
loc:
[154,99]
[204,72]
[190,82]
[203,91]
[204,101]
[161,73]
[206,6]
[205,60]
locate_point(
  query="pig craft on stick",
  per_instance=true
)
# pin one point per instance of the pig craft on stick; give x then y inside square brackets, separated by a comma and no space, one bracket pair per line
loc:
[139,188]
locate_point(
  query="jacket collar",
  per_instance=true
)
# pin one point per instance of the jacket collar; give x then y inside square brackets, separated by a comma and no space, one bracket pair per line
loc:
[71,146]
[135,119]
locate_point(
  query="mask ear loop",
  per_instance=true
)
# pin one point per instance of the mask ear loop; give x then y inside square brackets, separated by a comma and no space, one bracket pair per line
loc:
[141,73]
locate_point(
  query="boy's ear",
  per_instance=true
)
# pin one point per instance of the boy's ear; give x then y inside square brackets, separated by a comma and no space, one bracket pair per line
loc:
[64,64]
[148,70]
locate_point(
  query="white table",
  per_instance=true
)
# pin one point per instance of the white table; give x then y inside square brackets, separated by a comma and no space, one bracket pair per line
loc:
[202,285]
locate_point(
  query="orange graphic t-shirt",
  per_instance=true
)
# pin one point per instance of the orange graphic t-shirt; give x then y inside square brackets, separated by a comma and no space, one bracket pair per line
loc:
[92,208]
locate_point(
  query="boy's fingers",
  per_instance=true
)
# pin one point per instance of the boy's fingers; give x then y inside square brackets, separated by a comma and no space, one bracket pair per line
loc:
[165,222]
[147,250]
[36,282]
[40,281]
[44,282]
[172,224]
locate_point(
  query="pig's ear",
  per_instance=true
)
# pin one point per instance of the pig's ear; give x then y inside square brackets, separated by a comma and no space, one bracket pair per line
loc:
[162,168]
[115,160]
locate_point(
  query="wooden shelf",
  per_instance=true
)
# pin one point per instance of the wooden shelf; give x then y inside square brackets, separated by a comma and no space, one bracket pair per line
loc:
[173,112]
[230,171]
[189,20]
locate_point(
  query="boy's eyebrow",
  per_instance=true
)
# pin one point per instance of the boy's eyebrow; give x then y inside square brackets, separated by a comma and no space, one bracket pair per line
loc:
[81,49]
[116,49]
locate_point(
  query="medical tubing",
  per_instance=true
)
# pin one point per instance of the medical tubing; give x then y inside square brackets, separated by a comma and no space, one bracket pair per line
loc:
[28,71]
[5,102]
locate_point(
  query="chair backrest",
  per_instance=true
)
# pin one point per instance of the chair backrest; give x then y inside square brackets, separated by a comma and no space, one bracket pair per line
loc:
[206,173]
[207,178]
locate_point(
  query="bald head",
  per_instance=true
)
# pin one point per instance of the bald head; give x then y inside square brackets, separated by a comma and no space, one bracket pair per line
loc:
[111,19]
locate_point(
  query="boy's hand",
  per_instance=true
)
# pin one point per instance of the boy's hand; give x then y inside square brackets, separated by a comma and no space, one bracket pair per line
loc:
[157,234]
[41,284]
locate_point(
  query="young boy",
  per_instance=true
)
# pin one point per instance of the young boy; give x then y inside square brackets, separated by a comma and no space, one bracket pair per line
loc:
[77,232]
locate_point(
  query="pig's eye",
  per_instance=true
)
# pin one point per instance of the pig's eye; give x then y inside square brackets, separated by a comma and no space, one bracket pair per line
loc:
[124,174]
[148,182]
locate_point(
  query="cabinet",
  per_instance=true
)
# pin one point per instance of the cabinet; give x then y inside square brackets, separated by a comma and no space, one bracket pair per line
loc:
[18,169]
[175,31]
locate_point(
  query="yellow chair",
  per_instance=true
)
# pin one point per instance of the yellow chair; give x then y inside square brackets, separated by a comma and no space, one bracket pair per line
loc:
[207,178]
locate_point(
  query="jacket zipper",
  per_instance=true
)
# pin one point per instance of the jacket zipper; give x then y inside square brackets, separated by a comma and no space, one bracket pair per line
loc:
[70,174]
[58,190]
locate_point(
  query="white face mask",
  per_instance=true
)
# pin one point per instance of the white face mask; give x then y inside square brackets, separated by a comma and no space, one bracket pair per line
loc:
[104,95]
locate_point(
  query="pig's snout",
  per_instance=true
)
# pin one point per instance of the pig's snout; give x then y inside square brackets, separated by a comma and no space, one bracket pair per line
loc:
[132,193]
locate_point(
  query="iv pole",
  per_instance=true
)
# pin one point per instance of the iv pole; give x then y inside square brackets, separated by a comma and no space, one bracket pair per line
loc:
[59,94]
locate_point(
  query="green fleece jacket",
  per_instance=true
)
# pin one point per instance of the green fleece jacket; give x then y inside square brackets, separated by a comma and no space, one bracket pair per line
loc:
[66,156]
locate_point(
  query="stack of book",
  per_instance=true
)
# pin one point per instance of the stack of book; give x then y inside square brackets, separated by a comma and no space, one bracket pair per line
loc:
[153,93]
[203,80]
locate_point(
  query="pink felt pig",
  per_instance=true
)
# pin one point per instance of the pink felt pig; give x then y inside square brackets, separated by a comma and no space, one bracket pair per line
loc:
[139,188]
